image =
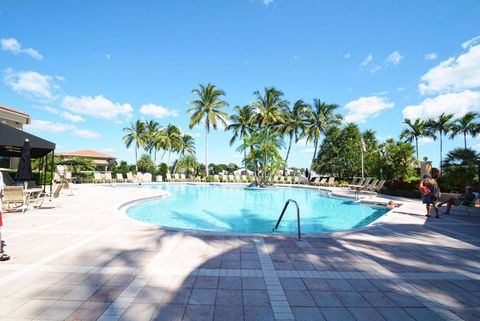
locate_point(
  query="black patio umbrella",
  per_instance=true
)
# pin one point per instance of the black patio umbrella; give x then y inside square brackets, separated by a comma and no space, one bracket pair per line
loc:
[70,162]
[24,172]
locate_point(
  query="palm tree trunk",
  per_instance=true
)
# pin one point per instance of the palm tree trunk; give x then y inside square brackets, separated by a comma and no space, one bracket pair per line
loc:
[136,166]
[206,151]
[288,151]
[465,139]
[168,159]
[313,158]
[441,162]
[245,154]
[155,156]
[416,146]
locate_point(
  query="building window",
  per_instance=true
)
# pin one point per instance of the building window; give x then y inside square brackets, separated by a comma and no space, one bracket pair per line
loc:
[4,162]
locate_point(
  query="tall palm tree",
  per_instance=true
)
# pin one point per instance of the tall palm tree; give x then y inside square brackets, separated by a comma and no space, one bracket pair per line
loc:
[318,120]
[241,124]
[207,108]
[270,112]
[443,126]
[294,122]
[187,145]
[465,125]
[415,130]
[135,133]
[151,129]
[269,108]
[170,140]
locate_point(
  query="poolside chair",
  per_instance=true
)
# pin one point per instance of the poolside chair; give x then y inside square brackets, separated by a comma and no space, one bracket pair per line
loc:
[139,177]
[331,182]
[14,198]
[168,177]
[108,177]
[159,178]
[244,179]
[288,179]
[97,178]
[370,185]
[231,178]
[216,178]
[183,178]
[296,180]
[50,196]
[321,182]
[129,177]
[358,184]
[355,180]
[237,178]
[119,178]
[176,177]
[378,186]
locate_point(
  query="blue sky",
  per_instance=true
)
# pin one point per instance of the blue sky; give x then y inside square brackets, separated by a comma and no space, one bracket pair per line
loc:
[84,69]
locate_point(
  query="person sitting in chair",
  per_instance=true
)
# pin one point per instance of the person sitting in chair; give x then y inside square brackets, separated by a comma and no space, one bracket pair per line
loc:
[466,199]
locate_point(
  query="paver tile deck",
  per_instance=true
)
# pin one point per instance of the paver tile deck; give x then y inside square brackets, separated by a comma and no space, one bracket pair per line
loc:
[83,260]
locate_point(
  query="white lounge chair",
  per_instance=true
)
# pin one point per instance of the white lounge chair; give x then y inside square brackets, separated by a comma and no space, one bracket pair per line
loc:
[97,177]
[159,178]
[168,177]
[108,177]
[50,196]
[14,198]
[130,177]
[120,178]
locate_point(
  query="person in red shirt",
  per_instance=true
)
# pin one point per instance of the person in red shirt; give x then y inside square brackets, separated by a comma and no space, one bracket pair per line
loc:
[3,256]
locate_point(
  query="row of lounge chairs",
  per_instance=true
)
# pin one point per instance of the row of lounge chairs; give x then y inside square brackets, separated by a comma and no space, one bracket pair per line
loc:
[16,198]
[323,181]
[366,184]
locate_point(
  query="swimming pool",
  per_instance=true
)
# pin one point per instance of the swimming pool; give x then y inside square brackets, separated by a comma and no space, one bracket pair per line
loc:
[234,209]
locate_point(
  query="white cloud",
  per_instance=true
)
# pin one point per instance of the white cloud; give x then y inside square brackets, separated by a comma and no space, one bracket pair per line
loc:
[452,103]
[108,56]
[12,45]
[380,93]
[367,60]
[453,74]
[431,56]
[347,55]
[86,133]
[47,126]
[425,140]
[158,111]
[375,69]
[469,43]
[476,147]
[365,107]
[130,150]
[401,88]
[308,150]
[394,58]
[267,2]
[109,150]
[49,109]
[72,117]
[196,135]
[97,107]
[197,126]
[302,141]
[384,138]
[30,83]
[237,155]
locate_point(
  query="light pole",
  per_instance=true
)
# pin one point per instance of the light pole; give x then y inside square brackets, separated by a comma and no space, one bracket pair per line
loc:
[383,155]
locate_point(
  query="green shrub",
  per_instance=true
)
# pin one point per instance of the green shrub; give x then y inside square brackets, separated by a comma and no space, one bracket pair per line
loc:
[209,179]
[409,193]
[37,176]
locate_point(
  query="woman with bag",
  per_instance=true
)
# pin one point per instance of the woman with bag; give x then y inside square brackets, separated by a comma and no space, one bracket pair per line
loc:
[430,195]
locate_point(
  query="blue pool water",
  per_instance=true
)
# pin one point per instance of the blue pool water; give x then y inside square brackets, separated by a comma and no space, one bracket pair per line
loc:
[234,209]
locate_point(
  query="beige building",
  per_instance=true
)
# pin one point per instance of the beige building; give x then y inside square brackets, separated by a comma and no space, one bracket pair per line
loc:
[17,119]
[101,160]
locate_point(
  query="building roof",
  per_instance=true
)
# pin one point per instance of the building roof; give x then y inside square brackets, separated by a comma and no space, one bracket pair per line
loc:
[12,139]
[87,153]
[14,110]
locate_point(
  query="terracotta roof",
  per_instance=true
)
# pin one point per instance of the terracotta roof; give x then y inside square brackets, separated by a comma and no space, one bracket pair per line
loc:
[14,110]
[86,153]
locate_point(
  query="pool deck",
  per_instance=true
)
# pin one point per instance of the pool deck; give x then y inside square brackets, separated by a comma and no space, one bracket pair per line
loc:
[83,260]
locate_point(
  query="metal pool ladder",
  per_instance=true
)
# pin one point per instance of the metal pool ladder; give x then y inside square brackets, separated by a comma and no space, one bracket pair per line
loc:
[298,217]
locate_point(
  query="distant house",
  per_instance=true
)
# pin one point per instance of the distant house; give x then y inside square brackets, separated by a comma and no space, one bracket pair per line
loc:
[16,119]
[101,160]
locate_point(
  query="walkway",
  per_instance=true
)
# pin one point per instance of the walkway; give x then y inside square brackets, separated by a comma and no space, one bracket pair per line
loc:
[84,261]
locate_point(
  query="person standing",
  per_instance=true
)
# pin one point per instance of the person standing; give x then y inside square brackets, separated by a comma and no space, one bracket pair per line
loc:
[430,194]
[3,256]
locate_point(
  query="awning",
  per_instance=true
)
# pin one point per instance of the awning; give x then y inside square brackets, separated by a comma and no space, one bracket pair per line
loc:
[12,139]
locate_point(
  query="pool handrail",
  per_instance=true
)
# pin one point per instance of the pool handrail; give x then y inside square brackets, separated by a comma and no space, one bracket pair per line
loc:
[298,217]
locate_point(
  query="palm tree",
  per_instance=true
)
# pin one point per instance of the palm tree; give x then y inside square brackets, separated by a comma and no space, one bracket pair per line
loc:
[294,122]
[241,124]
[443,126]
[415,130]
[135,133]
[170,140]
[318,120]
[465,125]
[151,130]
[187,162]
[270,111]
[187,145]
[207,108]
